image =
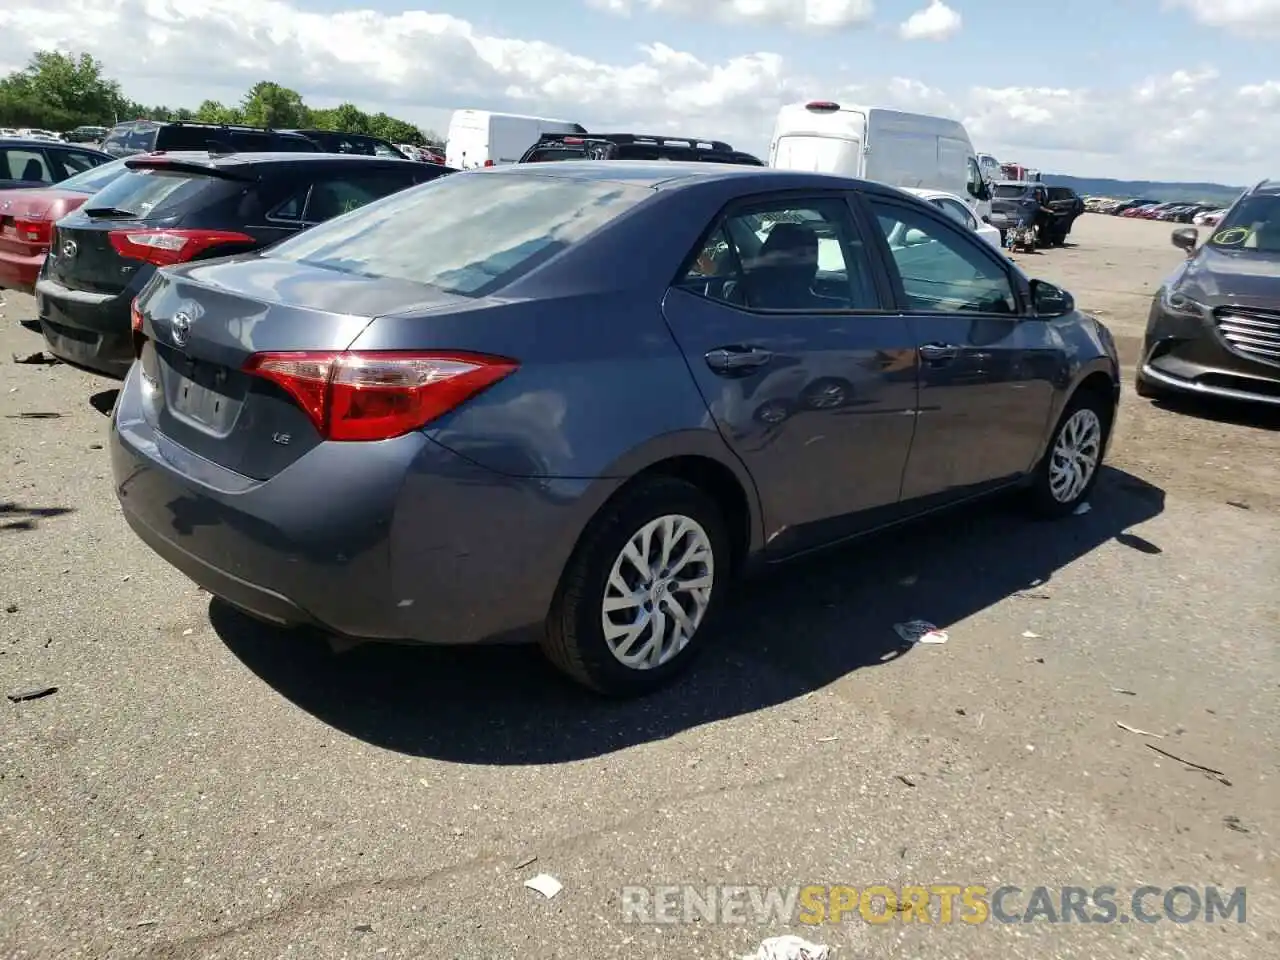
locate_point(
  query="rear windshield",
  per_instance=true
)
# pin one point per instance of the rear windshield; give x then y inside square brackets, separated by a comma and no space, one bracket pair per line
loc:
[150,193]
[468,234]
[548,154]
[1008,192]
[95,178]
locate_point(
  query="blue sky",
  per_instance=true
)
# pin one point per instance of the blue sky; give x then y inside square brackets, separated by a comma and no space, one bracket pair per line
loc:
[1134,89]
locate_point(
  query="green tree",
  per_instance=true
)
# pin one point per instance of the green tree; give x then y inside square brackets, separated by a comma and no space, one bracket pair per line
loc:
[59,90]
[397,131]
[211,111]
[268,104]
[349,118]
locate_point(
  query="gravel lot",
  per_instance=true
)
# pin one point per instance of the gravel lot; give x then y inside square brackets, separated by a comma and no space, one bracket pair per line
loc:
[200,786]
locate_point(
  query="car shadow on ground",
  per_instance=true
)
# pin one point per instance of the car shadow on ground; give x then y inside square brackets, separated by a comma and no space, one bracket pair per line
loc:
[810,624]
[1238,414]
[104,401]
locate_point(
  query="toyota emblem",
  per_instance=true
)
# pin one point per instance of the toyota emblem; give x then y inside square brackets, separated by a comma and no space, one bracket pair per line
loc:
[180,329]
[69,249]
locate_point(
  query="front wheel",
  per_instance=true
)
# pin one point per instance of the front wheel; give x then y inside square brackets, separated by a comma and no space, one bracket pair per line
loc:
[1066,475]
[635,599]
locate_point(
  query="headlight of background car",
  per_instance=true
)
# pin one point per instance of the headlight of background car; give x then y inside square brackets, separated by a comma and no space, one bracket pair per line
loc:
[1181,305]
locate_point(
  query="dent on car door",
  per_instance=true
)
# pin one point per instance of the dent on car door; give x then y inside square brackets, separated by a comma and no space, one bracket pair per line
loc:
[808,374]
[987,369]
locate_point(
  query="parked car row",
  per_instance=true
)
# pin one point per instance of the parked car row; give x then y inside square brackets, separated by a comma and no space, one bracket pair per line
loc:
[1176,211]
[424,360]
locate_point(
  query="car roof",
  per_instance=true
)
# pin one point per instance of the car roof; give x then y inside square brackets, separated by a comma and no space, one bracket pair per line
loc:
[1020,183]
[665,175]
[205,158]
[38,142]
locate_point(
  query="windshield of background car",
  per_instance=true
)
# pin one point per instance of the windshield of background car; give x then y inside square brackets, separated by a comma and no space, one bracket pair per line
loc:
[1253,225]
[1006,192]
[467,234]
[95,178]
[150,193]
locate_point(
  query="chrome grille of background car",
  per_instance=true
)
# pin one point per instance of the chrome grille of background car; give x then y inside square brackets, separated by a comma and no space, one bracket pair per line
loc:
[1253,333]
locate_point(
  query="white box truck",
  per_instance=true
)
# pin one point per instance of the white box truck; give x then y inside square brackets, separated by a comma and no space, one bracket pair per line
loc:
[479,138]
[875,143]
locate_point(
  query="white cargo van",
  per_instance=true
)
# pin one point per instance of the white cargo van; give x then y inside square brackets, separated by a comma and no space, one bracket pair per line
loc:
[873,143]
[478,138]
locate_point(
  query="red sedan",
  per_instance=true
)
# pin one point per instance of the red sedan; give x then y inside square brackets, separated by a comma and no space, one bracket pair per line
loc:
[27,217]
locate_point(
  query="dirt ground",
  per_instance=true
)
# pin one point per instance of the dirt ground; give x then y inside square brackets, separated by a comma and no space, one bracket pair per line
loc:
[1221,452]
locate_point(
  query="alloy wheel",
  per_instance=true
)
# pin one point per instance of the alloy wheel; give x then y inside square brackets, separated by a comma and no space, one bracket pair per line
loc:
[658,591]
[1075,456]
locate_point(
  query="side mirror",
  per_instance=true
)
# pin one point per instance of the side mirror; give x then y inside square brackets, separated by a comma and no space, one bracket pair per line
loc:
[1186,238]
[1048,300]
[914,237]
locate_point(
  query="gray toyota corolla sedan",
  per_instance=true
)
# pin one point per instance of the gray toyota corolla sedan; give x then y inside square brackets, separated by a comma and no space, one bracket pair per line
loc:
[569,402]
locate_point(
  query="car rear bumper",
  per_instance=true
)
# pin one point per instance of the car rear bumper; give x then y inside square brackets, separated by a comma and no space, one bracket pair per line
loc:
[87,329]
[1195,356]
[400,540]
[18,271]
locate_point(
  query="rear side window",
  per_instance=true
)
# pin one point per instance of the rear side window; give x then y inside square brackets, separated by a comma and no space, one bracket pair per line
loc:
[468,234]
[155,193]
[24,164]
[74,162]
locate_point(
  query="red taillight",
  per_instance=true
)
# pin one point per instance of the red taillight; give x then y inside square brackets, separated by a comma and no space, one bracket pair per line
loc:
[488,163]
[135,316]
[34,229]
[378,395]
[572,140]
[822,106]
[164,247]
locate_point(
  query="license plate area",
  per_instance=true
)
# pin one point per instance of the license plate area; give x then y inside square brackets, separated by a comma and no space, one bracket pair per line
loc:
[202,395]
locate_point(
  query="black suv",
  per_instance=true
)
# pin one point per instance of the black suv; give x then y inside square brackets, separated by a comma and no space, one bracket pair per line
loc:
[178,207]
[148,136]
[1067,207]
[331,141]
[630,146]
[1214,325]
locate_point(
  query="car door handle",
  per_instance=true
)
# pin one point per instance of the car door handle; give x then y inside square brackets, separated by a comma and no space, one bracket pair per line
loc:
[938,352]
[737,359]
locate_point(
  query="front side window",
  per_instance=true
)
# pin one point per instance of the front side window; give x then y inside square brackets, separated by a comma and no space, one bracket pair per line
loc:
[466,234]
[943,270]
[793,256]
[28,166]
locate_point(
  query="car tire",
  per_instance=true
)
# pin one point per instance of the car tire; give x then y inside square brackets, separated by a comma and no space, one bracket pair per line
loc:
[1056,489]
[576,640]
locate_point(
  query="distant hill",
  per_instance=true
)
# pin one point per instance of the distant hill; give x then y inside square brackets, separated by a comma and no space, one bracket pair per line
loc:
[1190,192]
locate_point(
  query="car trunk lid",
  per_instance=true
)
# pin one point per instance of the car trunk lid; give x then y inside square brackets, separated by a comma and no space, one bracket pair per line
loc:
[203,322]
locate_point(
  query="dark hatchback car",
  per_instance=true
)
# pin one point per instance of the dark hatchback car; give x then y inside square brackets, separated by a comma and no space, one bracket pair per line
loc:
[472,412]
[42,163]
[149,136]
[630,146]
[177,207]
[1214,325]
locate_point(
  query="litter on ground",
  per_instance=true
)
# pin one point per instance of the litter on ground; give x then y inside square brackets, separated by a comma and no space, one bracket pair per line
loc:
[920,631]
[789,948]
[545,884]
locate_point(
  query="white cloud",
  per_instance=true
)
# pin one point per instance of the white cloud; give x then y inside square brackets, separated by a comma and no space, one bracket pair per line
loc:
[1189,124]
[1245,17]
[937,21]
[785,13]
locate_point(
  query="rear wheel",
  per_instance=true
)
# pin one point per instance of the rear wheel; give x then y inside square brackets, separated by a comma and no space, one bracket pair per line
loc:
[1066,475]
[635,599]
